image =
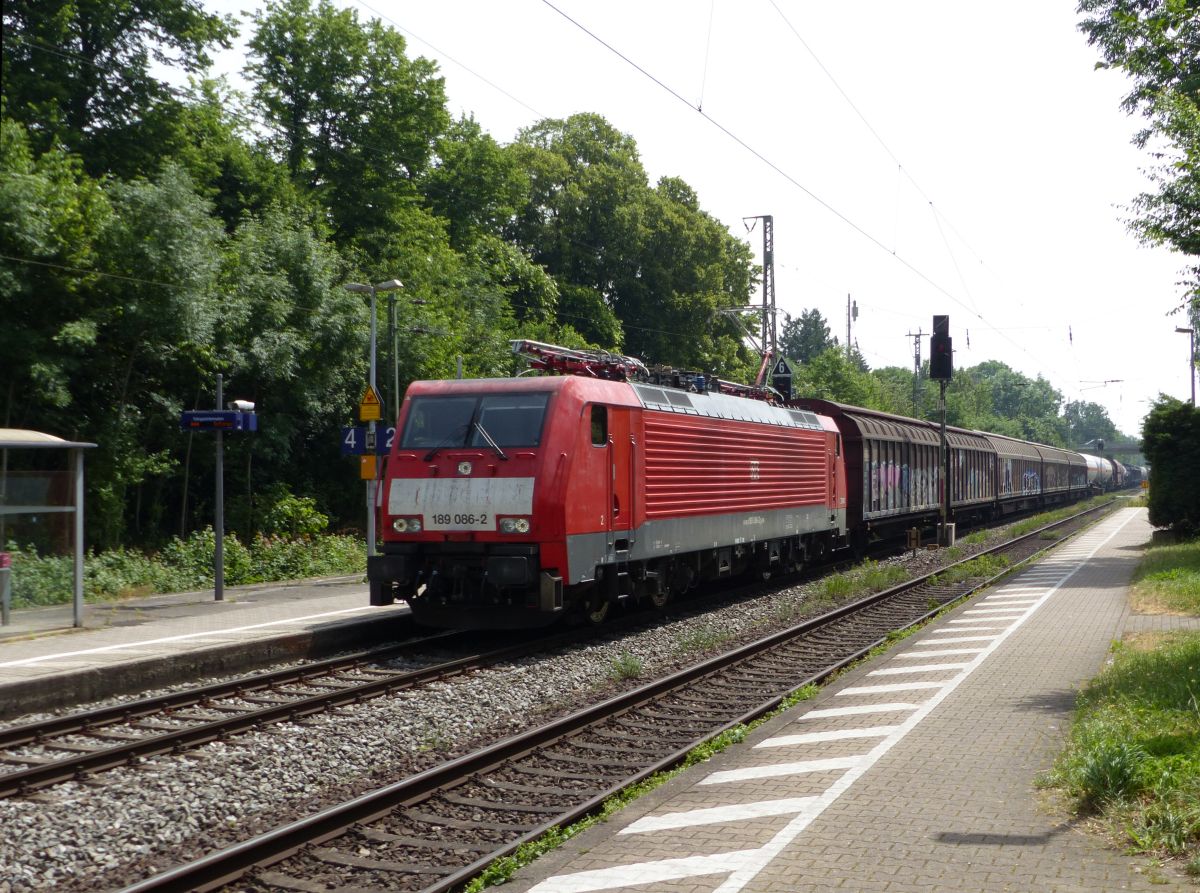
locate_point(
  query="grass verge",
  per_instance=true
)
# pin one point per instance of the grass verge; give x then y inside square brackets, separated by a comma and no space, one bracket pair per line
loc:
[1168,579]
[1133,758]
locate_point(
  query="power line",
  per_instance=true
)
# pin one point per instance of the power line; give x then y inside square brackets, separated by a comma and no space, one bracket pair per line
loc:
[787,176]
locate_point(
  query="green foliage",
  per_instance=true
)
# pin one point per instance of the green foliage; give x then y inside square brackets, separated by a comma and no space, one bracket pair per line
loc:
[1171,443]
[627,666]
[1170,575]
[701,639]
[983,568]
[357,119]
[181,566]
[640,269]
[1153,42]
[79,74]
[1134,751]
[806,337]
[292,516]
[868,577]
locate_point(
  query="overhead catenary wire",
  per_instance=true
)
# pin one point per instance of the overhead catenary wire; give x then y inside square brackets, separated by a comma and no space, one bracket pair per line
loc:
[789,178]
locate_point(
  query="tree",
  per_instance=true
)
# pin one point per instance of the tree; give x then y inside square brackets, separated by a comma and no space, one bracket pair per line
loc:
[806,336]
[1154,42]
[79,72]
[51,214]
[357,121]
[474,183]
[1088,422]
[639,269]
[1171,444]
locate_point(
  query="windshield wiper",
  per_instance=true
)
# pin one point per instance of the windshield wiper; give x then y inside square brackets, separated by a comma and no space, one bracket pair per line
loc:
[448,440]
[483,432]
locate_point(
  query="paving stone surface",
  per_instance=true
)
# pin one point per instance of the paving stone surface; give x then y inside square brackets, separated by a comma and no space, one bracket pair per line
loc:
[936,788]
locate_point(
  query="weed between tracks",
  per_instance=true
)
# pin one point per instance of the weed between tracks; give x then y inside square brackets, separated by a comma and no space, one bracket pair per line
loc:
[985,566]
[627,666]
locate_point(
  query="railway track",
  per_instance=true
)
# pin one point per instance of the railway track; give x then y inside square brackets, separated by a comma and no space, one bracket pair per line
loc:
[434,831]
[70,747]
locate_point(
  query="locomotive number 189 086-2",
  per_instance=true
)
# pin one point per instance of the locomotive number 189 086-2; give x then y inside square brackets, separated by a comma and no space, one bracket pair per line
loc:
[461,519]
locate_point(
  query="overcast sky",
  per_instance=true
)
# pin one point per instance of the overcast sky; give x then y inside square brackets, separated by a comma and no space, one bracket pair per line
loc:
[936,156]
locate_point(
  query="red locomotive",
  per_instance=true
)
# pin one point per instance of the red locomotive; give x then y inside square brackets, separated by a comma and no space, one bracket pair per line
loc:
[511,502]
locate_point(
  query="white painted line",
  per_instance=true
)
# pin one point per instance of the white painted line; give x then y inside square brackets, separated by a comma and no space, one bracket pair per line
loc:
[965,624]
[1015,612]
[739,812]
[645,873]
[962,639]
[857,711]
[214,633]
[945,631]
[887,688]
[920,668]
[823,737]
[778,770]
[909,655]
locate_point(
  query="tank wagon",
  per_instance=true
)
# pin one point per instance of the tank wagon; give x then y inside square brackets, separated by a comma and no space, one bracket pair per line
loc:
[514,502]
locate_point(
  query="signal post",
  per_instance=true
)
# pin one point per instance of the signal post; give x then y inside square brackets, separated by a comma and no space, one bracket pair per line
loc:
[941,370]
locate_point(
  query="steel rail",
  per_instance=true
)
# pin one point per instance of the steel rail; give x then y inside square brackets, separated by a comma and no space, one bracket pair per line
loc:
[78,764]
[216,869]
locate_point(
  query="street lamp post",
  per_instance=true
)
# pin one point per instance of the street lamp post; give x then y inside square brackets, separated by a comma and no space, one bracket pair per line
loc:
[372,483]
[1191,333]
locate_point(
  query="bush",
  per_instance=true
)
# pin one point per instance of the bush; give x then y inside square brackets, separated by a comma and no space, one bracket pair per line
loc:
[292,516]
[1134,753]
[181,566]
[1171,444]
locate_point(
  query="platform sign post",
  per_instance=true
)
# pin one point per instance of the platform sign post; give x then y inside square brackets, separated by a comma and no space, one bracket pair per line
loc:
[5,587]
[370,410]
[239,417]
[219,557]
[941,369]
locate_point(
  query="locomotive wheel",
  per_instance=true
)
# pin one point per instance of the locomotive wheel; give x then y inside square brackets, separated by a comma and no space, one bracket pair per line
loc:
[595,609]
[659,598]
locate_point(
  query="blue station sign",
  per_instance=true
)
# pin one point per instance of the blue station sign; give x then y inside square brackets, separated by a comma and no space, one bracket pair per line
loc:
[356,441]
[218,420]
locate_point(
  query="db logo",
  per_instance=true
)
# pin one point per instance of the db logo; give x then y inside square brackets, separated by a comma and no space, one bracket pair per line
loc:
[754,469]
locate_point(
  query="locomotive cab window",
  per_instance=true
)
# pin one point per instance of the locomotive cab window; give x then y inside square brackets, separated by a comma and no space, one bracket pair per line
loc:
[599,425]
[510,420]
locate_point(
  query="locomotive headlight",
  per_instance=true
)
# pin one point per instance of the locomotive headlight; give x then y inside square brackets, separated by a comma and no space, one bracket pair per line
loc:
[406,525]
[514,525]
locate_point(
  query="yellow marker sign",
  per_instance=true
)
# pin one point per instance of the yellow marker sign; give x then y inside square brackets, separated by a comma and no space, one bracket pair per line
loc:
[370,408]
[367,467]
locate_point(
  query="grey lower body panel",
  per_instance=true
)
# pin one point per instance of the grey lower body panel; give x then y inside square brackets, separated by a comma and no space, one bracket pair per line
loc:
[677,536]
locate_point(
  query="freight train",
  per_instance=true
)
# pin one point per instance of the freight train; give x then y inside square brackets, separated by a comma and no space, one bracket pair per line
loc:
[514,502]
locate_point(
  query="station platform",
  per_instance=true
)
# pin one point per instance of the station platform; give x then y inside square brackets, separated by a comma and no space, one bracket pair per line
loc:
[915,772]
[140,643]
